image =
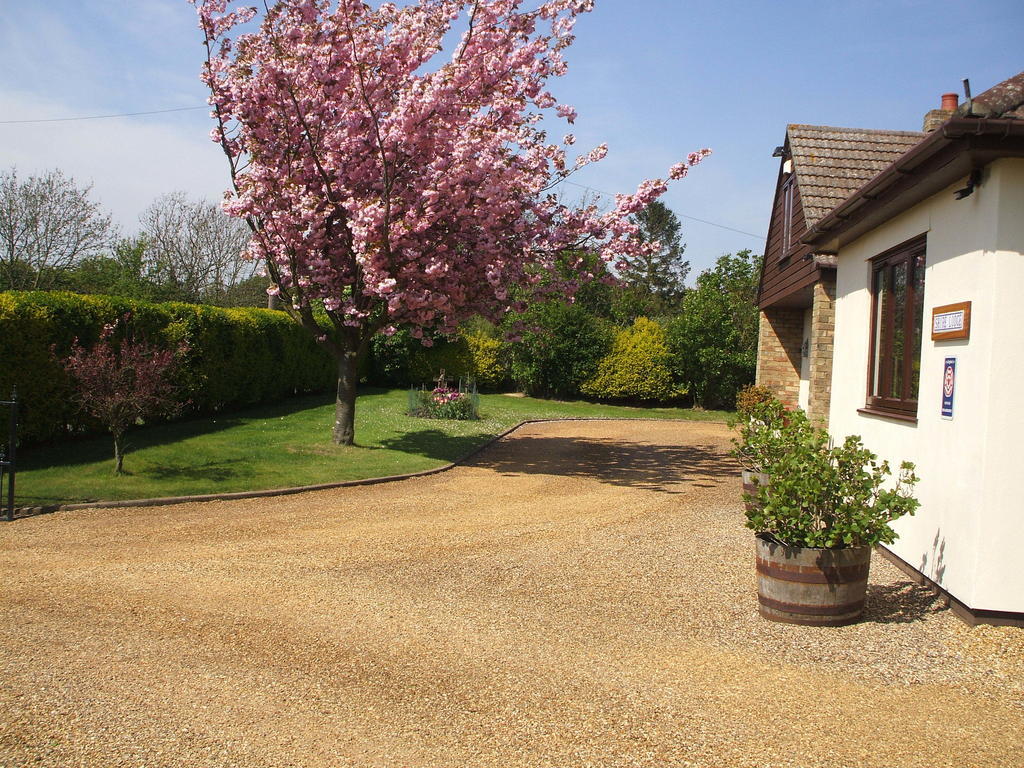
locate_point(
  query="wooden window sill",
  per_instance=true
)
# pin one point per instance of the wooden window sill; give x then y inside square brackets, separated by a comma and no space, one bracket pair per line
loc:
[894,415]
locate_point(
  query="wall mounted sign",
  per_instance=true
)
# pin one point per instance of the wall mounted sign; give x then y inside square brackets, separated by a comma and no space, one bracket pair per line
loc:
[952,321]
[948,386]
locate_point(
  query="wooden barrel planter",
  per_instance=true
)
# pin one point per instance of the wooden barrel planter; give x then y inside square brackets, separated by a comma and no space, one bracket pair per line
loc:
[751,480]
[804,585]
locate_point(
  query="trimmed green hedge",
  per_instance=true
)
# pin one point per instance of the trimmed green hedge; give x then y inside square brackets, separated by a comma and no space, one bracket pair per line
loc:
[236,357]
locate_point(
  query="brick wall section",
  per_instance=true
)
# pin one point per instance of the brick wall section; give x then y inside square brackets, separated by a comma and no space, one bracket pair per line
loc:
[823,324]
[778,352]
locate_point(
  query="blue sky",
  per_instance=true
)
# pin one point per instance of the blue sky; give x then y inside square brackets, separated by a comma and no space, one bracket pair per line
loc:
[654,79]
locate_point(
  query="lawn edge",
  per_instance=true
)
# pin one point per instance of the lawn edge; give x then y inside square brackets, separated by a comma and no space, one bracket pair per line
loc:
[25,512]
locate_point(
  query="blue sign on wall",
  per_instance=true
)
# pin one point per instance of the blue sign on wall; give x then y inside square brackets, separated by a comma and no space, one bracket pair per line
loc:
[948,387]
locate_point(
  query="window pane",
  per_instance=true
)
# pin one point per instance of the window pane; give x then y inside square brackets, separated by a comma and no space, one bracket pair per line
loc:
[918,320]
[787,215]
[899,310]
[897,287]
[881,299]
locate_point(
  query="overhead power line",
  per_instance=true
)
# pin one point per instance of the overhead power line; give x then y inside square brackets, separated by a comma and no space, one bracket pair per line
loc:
[683,215]
[102,117]
[191,109]
[722,226]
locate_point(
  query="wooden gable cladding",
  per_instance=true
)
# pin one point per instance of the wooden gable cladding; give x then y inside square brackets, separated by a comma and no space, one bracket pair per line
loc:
[785,272]
[828,165]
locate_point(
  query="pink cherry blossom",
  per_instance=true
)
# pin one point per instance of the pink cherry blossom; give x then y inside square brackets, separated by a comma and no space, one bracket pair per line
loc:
[569,113]
[389,182]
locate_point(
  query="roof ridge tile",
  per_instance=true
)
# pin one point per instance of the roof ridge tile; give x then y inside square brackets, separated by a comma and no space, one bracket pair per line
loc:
[855,130]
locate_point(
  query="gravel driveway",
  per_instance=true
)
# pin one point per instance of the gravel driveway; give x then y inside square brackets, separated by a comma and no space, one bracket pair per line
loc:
[581,594]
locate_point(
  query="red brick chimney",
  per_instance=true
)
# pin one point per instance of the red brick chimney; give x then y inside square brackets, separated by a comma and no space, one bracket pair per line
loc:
[937,117]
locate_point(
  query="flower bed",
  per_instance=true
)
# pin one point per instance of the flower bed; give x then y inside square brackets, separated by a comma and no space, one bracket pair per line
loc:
[444,403]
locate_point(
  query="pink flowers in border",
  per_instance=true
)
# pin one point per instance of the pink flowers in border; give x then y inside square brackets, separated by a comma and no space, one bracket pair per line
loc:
[443,395]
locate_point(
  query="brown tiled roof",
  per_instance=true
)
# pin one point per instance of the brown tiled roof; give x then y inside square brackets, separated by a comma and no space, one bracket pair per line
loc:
[1003,100]
[832,163]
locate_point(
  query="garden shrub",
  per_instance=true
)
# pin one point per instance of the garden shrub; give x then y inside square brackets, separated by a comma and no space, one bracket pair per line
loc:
[235,358]
[489,360]
[449,354]
[751,396]
[559,350]
[709,366]
[637,366]
[388,359]
[713,341]
[400,360]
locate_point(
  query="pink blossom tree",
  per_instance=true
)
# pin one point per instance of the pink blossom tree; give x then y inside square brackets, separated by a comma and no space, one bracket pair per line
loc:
[387,182]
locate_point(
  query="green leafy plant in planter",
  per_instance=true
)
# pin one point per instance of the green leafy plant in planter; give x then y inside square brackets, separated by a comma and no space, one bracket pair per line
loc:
[767,432]
[831,496]
[816,521]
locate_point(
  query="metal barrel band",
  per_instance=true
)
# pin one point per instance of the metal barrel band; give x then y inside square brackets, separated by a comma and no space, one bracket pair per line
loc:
[825,575]
[821,610]
[807,620]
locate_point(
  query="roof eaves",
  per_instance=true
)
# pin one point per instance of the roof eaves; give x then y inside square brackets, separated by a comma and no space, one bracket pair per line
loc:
[871,195]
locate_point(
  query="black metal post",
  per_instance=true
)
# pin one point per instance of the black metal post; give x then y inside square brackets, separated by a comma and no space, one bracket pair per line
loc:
[12,442]
[12,450]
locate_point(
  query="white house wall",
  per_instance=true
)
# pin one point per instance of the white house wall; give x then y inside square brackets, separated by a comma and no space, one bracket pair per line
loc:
[1000,569]
[966,534]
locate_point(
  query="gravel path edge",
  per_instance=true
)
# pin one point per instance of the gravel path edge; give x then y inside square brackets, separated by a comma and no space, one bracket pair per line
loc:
[24,512]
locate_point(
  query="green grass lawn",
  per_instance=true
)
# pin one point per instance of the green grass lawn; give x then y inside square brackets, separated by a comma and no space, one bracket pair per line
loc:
[284,445]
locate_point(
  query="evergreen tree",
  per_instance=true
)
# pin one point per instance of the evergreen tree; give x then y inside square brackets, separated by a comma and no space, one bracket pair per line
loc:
[659,275]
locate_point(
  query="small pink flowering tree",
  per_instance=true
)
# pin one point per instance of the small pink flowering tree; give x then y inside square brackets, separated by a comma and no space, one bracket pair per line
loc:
[120,382]
[387,183]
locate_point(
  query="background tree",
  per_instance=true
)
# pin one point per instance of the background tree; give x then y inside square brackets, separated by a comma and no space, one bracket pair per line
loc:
[384,188]
[714,339]
[558,347]
[194,252]
[251,292]
[47,224]
[606,295]
[122,382]
[122,272]
[659,275]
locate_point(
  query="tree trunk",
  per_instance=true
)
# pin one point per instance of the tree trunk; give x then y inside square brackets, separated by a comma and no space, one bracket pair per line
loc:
[345,404]
[118,454]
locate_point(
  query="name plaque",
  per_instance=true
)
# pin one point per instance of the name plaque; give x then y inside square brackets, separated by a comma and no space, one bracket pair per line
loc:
[951,321]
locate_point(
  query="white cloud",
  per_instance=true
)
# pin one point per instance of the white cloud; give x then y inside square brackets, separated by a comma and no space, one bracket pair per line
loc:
[129,161]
